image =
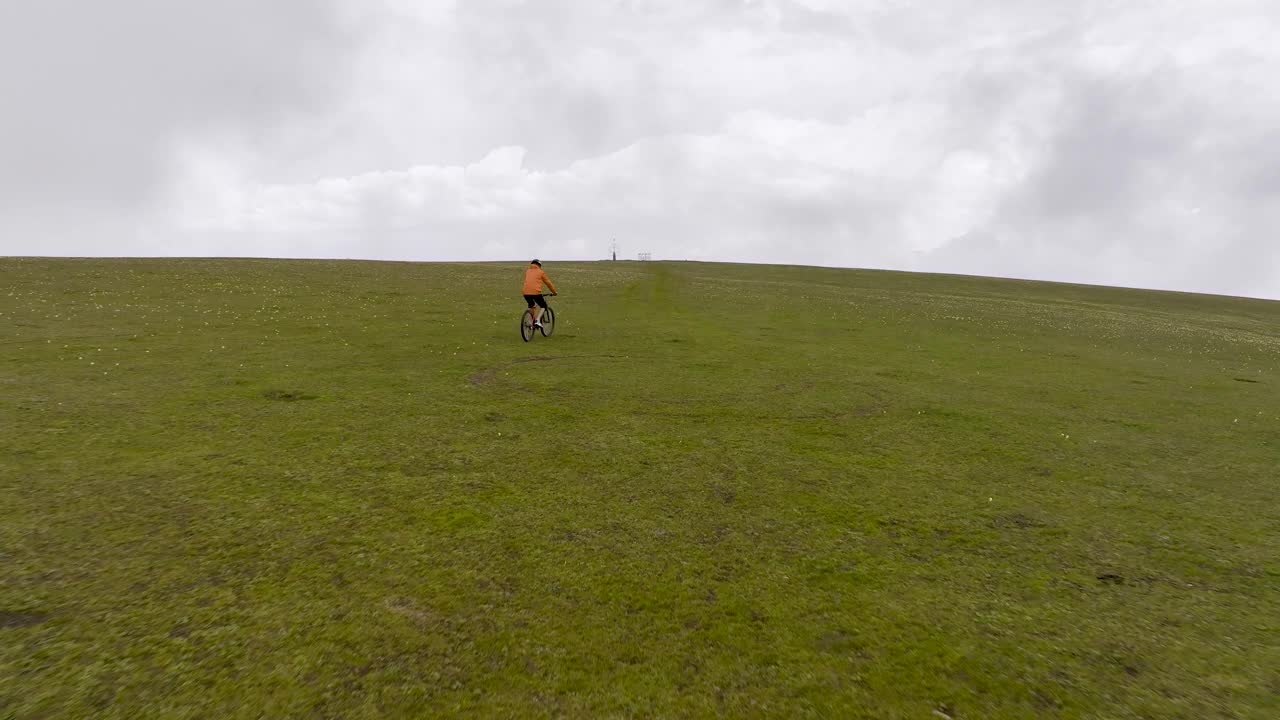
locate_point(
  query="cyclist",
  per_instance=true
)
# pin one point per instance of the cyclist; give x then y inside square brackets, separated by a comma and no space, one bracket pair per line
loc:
[533,281]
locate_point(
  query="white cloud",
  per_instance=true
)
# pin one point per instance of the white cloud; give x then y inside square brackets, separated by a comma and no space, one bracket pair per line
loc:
[1059,140]
[763,188]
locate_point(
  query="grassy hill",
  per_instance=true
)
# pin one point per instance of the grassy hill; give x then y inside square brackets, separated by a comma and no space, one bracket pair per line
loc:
[241,488]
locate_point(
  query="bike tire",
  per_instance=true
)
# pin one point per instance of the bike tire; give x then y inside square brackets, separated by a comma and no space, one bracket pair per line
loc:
[526,326]
[548,322]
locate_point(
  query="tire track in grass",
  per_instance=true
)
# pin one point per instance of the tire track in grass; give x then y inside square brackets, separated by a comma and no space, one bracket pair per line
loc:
[489,374]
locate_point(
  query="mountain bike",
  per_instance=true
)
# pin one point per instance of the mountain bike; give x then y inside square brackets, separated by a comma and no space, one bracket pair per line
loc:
[527,330]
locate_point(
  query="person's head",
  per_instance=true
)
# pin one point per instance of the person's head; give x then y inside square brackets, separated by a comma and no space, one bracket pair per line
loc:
[537,262]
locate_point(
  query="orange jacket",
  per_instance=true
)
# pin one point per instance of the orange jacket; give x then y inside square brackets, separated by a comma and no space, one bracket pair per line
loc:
[533,279]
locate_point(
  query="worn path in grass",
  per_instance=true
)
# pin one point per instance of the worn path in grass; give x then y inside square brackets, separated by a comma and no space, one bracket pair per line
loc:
[338,489]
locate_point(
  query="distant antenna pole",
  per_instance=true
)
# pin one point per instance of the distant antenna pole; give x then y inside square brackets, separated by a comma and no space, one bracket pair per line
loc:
[614,248]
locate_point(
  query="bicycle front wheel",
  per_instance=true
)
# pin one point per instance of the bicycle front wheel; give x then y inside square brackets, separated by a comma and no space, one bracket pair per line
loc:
[548,322]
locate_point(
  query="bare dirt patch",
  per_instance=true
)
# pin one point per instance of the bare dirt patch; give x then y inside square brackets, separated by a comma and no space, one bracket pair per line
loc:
[483,377]
[287,396]
[9,619]
[1017,520]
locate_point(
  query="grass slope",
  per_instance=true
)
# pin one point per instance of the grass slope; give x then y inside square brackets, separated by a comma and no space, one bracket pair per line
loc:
[337,489]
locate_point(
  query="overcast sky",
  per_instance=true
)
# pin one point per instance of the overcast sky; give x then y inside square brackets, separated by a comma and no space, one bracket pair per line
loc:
[1128,142]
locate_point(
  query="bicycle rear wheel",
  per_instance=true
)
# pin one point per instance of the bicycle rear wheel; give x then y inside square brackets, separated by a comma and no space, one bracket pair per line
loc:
[526,326]
[548,322]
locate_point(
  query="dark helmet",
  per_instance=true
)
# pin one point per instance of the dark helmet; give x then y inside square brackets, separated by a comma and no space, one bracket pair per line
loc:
[537,262]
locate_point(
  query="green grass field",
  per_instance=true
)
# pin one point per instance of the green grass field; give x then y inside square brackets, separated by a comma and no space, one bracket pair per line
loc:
[241,488]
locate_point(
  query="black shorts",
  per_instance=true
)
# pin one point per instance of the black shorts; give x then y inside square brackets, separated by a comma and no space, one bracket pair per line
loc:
[535,300]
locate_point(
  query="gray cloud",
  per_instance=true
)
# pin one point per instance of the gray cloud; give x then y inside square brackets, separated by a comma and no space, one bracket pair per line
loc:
[1151,174]
[95,93]
[1089,142]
